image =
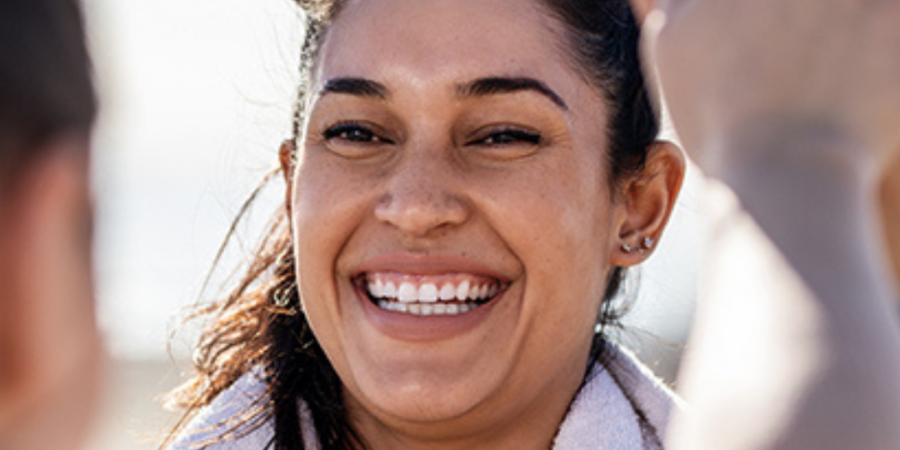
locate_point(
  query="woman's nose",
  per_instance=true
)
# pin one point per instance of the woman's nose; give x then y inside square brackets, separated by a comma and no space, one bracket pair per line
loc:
[422,196]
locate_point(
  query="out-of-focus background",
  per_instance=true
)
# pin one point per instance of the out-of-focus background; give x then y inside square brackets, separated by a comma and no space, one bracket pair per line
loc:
[196,97]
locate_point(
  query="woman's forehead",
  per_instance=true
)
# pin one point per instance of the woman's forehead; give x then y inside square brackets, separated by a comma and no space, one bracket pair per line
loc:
[440,41]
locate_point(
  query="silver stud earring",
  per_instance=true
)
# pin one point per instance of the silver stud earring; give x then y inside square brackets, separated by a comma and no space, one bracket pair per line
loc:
[627,248]
[648,243]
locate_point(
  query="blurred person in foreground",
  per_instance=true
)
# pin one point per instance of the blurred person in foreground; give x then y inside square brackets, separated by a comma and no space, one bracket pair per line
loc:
[49,347]
[796,107]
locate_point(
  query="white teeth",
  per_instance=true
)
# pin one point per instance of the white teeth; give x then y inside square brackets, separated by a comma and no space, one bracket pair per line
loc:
[427,299]
[390,291]
[407,293]
[462,291]
[428,293]
[428,309]
[448,292]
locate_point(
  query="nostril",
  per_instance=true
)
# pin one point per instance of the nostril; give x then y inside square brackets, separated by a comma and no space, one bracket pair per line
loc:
[421,210]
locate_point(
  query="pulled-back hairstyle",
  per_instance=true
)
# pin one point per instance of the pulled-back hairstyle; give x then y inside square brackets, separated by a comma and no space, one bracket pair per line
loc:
[45,80]
[260,325]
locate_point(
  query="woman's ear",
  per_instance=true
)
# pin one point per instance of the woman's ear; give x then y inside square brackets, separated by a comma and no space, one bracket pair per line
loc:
[646,202]
[287,154]
[287,157]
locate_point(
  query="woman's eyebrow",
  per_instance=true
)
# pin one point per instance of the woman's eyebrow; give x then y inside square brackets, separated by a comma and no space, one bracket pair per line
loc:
[503,85]
[481,87]
[360,87]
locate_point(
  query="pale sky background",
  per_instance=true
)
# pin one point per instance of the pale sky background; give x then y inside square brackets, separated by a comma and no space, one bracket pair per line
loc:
[196,98]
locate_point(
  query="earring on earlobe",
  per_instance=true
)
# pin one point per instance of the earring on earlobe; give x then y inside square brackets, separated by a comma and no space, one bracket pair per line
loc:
[646,244]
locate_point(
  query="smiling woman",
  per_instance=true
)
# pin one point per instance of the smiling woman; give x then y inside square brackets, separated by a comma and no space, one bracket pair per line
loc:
[467,183]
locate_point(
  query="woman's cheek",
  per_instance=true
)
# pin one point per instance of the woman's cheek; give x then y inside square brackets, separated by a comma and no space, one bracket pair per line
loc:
[322,195]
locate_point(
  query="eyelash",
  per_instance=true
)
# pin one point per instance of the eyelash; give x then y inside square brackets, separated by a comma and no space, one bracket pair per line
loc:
[351,131]
[359,133]
[509,136]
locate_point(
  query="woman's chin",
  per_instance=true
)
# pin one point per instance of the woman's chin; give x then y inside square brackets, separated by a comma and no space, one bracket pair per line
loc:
[434,369]
[424,400]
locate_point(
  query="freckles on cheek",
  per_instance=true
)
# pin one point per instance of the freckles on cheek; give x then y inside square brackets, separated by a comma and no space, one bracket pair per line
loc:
[312,195]
[309,215]
[315,256]
[326,211]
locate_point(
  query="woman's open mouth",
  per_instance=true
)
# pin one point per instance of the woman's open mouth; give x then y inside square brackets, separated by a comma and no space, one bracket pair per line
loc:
[429,295]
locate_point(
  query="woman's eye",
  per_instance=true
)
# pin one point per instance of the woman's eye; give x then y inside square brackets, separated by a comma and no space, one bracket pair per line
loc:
[508,137]
[505,143]
[355,133]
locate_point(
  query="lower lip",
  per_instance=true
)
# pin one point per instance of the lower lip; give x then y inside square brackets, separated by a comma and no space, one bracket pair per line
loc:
[409,327]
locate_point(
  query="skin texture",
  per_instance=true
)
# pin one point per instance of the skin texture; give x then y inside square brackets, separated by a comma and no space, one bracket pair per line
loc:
[809,358]
[543,217]
[49,345]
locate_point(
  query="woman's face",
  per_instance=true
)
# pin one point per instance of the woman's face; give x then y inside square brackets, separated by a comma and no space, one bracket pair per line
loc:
[452,152]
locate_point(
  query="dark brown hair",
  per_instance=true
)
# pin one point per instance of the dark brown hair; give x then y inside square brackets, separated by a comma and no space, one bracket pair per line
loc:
[45,80]
[261,324]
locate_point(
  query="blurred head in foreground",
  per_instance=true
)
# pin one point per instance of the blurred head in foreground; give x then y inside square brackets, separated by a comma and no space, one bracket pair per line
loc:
[49,349]
[889,195]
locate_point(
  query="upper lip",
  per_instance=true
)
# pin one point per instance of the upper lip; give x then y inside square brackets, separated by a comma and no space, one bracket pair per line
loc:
[425,264]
